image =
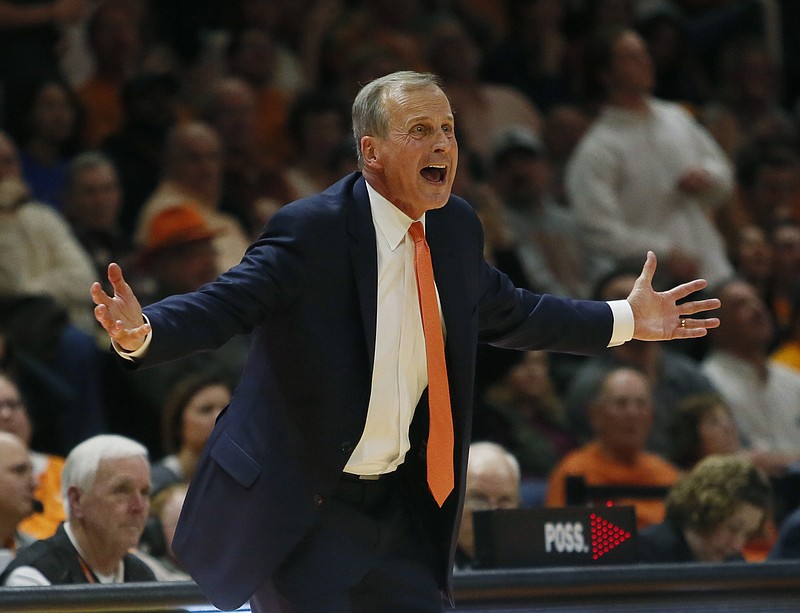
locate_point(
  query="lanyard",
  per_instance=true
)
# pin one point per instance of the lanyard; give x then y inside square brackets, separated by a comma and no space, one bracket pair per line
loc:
[90,578]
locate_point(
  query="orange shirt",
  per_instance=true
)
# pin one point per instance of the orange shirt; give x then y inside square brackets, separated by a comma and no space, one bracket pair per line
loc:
[272,113]
[48,491]
[102,108]
[598,469]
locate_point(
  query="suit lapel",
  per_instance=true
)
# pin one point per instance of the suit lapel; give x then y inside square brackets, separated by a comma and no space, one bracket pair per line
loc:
[364,259]
[445,263]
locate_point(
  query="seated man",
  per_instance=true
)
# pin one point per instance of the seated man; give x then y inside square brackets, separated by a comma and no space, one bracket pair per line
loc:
[763,395]
[621,417]
[46,468]
[16,495]
[493,482]
[106,486]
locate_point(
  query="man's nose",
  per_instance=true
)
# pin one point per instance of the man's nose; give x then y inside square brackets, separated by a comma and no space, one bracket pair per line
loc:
[139,502]
[444,140]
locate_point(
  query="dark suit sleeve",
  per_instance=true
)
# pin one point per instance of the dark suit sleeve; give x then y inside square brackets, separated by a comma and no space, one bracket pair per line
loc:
[269,278]
[516,318]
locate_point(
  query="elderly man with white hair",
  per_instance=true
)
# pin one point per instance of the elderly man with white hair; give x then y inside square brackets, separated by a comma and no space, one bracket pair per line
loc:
[106,486]
[493,482]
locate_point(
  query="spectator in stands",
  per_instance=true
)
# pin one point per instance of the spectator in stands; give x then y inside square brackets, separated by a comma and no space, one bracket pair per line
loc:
[114,38]
[787,351]
[46,468]
[500,243]
[193,175]
[364,62]
[483,109]
[646,176]
[29,46]
[764,395]
[711,513]
[370,39]
[679,74]
[253,187]
[58,368]
[523,412]
[106,483]
[318,125]
[189,414]
[38,251]
[290,24]
[768,177]
[46,131]
[156,546]
[93,202]
[673,375]
[747,105]
[621,416]
[252,56]
[179,254]
[546,233]
[150,107]
[493,482]
[535,56]
[16,496]
[564,127]
[704,425]
[785,284]
[752,257]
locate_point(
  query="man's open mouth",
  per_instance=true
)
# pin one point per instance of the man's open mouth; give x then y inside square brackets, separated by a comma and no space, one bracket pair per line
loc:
[435,173]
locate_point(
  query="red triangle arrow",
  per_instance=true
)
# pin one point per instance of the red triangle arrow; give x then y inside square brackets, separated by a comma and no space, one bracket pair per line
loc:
[605,536]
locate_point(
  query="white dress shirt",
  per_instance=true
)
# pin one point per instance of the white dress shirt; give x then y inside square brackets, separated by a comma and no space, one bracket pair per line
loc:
[400,373]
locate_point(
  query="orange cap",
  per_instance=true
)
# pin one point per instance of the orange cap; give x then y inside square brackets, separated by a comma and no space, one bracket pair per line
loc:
[177,225]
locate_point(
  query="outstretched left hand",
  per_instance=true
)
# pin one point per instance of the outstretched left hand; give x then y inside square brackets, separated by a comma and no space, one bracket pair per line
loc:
[658,317]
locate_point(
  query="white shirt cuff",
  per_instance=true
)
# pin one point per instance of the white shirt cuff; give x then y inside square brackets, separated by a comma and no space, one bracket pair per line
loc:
[134,355]
[623,322]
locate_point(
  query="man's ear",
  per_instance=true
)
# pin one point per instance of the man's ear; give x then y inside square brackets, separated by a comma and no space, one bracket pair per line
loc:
[74,500]
[369,151]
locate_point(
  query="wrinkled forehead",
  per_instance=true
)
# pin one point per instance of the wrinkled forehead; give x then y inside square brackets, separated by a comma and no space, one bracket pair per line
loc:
[405,98]
[115,470]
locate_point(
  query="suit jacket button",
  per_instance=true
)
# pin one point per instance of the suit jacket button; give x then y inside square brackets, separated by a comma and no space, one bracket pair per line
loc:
[347,447]
[318,500]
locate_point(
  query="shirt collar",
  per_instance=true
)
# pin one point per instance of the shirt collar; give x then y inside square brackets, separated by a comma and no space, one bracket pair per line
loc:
[119,574]
[622,114]
[390,221]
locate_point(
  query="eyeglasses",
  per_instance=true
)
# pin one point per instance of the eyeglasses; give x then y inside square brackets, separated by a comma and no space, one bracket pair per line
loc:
[480,502]
[13,404]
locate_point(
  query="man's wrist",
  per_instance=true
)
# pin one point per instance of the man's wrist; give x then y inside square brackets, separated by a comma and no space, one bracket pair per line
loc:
[623,326]
[137,353]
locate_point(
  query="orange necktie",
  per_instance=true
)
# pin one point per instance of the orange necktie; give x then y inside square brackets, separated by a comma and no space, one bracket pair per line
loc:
[440,432]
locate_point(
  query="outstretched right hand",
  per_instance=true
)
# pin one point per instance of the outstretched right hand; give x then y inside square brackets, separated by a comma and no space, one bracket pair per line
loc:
[120,315]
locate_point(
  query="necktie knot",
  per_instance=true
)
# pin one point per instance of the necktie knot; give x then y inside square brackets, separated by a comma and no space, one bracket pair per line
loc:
[417,232]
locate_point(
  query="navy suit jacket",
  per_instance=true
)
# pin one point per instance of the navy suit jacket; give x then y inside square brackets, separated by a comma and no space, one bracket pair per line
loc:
[306,291]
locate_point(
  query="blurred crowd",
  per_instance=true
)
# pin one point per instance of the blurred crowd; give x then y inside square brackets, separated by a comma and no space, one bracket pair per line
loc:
[163,135]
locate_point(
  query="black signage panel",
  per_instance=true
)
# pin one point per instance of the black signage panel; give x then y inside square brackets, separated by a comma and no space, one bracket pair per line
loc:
[508,538]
